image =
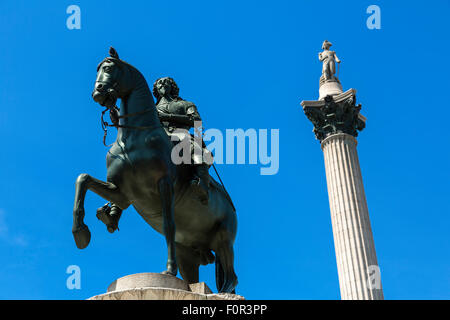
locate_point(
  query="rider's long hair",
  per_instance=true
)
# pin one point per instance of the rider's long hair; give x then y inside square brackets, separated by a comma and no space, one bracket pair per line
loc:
[174,92]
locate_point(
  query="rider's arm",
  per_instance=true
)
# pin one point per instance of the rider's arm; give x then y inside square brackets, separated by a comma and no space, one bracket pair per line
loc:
[176,118]
[192,113]
[187,119]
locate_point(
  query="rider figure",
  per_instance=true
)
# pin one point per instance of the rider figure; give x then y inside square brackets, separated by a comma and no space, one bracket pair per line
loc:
[175,114]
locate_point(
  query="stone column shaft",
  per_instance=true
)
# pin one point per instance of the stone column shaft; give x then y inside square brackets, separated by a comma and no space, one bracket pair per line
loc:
[353,240]
[336,121]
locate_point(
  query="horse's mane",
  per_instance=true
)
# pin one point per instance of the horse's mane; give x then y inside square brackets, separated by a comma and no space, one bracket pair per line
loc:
[120,61]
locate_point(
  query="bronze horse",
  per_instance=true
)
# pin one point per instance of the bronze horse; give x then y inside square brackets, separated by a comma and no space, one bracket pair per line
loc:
[140,173]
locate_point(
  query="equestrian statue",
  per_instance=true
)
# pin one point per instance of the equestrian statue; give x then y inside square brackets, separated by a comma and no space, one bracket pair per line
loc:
[181,201]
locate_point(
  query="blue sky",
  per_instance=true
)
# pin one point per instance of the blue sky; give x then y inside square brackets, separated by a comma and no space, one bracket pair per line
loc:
[245,64]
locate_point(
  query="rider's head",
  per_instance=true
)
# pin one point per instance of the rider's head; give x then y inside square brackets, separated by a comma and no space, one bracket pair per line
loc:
[165,87]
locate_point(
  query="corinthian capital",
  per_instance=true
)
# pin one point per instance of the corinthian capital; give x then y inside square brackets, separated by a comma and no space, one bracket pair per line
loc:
[335,114]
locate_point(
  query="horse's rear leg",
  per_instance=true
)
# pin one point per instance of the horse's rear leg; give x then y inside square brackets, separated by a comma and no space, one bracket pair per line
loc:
[187,261]
[106,190]
[165,187]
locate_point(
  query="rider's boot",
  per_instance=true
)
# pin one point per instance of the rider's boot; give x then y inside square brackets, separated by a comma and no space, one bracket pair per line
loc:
[200,182]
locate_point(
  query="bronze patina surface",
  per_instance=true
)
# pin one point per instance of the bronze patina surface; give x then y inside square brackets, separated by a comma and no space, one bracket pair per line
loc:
[140,173]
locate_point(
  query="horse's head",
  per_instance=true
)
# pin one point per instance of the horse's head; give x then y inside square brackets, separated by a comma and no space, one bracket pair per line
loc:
[112,81]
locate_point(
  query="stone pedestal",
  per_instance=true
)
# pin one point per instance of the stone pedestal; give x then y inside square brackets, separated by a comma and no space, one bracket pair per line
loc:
[330,88]
[157,286]
[336,124]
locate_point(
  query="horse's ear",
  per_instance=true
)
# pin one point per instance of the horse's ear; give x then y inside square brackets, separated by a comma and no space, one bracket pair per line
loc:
[113,53]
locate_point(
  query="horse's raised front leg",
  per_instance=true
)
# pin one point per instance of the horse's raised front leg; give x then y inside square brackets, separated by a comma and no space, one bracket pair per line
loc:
[110,214]
[165,187]
[106,190]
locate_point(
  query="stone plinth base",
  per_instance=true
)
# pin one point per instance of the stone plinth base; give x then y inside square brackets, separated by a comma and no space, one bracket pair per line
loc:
[157,286]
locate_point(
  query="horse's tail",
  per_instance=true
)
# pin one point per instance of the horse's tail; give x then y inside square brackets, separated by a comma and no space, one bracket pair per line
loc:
[220,274]
[226,279]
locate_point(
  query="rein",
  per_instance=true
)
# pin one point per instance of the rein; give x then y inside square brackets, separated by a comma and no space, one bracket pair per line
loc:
[113,114]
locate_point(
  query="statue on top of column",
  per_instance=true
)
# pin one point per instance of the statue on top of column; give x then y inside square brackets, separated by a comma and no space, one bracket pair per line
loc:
[329,59]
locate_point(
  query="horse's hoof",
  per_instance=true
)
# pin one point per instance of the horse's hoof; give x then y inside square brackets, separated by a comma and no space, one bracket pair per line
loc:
[172,271]
[82,236]
[103,214]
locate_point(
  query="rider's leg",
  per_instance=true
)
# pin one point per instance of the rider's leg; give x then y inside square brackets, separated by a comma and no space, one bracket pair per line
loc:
[200,181]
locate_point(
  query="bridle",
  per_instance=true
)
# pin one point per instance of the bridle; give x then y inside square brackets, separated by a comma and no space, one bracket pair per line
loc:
[115,118]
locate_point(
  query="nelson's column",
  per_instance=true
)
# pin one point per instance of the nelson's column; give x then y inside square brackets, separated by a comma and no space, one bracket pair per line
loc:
[336,121]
